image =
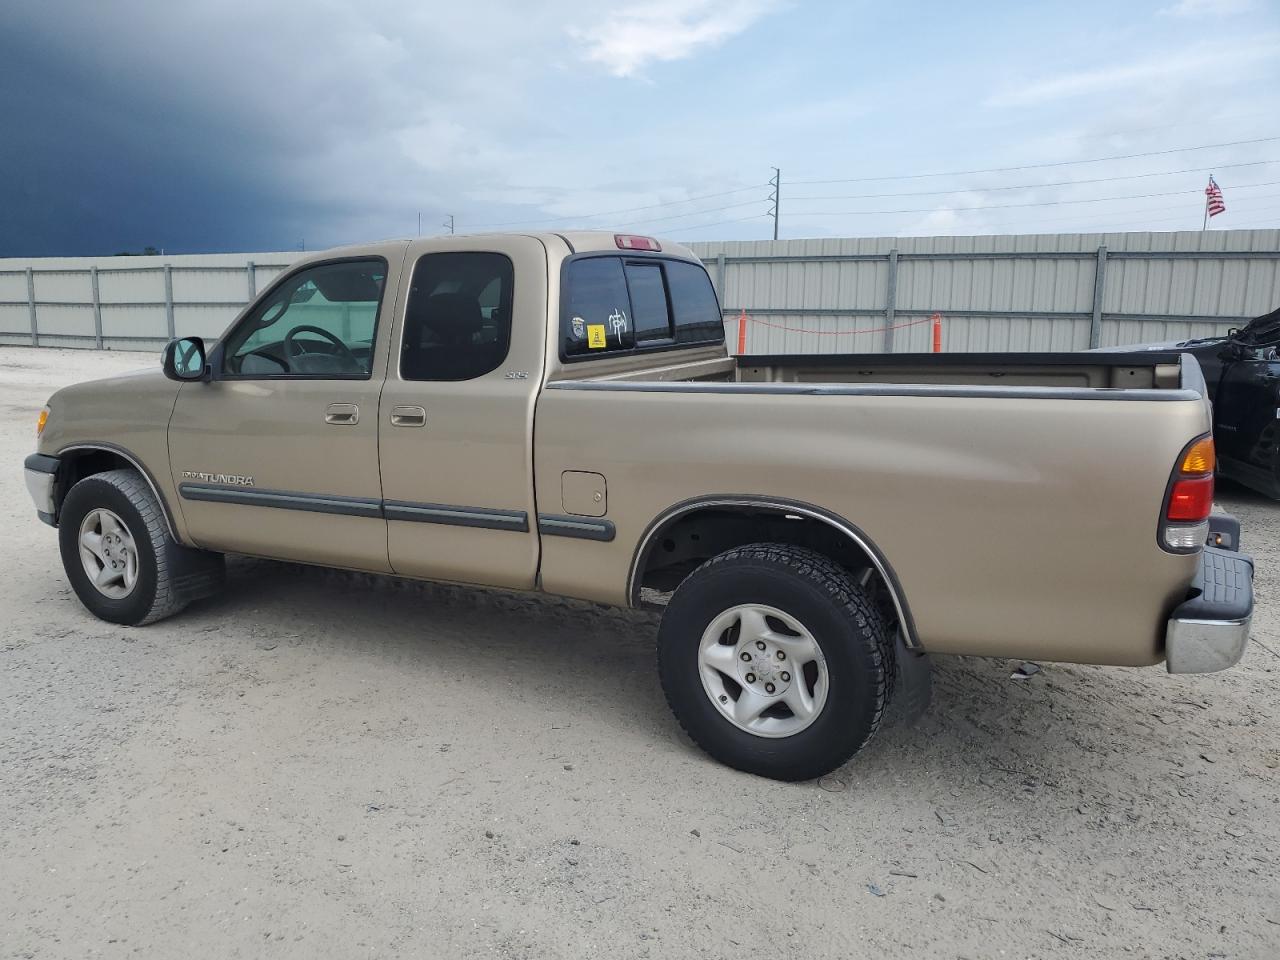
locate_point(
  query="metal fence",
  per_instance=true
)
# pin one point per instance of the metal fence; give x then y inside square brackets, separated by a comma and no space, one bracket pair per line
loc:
[128,303]
[1032,292]
[997,293]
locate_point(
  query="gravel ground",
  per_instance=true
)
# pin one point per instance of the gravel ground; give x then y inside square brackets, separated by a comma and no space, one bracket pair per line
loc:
[322,764]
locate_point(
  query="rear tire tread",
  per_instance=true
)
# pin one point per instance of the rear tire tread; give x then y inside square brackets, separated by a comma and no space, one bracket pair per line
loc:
[856,605]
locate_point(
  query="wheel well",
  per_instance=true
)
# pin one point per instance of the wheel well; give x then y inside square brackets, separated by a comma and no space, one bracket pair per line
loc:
[684,542]
[75,465]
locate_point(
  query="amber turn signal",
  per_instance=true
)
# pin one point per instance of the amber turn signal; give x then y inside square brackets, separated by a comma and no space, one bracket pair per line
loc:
[41,421]
[1198,460]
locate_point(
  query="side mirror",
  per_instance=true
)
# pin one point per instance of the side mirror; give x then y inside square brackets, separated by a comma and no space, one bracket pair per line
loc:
[183,359]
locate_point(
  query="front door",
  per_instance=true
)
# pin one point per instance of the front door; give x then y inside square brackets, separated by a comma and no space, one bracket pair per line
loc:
[456,426]
[278,455]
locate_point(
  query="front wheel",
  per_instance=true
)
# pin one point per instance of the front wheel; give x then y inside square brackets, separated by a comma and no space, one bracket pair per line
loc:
[118,554]
[775,662]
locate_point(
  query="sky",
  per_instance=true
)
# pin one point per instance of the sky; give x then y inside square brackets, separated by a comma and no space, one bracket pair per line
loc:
[230,126]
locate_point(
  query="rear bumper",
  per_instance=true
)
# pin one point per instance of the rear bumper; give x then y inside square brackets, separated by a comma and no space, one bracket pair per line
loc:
[1210,630]
[41,471]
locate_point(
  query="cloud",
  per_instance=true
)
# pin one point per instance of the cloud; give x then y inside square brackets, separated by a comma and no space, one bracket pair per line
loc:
[1208,8]
[1202,65]
[663,30]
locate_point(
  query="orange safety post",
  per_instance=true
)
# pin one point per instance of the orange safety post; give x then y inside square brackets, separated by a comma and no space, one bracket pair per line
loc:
[937,332]
[742,332]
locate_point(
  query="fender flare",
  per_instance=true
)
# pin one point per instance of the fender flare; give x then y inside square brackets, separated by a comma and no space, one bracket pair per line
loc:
[137,464]
[781,505]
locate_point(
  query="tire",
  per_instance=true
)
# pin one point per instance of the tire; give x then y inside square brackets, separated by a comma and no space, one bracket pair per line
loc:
[805,599]
[158,588]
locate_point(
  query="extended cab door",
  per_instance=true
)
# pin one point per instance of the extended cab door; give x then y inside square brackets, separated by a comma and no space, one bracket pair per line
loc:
[456,423]
[278,455]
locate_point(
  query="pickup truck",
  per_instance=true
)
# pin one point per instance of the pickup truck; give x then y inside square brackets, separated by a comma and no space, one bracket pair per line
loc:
[558,413]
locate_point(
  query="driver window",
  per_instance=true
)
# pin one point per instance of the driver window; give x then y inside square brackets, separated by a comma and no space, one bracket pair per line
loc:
[319,323]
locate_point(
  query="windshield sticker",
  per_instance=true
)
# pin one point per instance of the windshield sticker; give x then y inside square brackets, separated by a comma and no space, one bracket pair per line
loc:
[596,336]
[579,327]
[618,322]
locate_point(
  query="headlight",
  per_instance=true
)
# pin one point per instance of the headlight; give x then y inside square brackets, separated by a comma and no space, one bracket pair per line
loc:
[41,421]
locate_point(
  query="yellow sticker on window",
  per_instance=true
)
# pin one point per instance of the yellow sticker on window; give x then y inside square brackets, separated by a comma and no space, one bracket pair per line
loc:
[595,336]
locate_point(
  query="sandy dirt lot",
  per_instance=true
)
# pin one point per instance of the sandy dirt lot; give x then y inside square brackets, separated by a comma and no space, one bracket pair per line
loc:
[321,764]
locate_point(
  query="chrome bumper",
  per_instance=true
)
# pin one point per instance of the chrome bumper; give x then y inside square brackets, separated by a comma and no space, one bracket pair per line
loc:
[41,472]
[1210,630]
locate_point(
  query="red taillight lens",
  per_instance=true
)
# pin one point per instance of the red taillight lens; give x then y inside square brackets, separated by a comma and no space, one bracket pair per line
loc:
[627,241]
[1190,500]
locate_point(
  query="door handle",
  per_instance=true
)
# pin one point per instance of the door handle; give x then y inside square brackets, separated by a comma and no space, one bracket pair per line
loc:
[343,414]
[408,417]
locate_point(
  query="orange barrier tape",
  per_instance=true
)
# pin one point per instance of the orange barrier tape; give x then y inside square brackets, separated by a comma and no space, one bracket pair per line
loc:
[837,333]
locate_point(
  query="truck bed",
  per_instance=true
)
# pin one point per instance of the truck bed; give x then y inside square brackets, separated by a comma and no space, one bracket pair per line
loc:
[975,474]
[1084,373]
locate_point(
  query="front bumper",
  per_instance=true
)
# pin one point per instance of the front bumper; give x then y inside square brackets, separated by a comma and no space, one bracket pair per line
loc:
[41,472]
[1210,629]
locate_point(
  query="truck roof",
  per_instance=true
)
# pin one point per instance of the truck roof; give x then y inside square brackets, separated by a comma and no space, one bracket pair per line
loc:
[578,241]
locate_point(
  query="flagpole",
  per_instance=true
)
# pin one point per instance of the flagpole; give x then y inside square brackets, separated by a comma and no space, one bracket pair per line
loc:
[1205,225]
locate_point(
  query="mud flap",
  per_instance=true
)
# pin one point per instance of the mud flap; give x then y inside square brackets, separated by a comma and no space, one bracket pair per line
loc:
[914,690]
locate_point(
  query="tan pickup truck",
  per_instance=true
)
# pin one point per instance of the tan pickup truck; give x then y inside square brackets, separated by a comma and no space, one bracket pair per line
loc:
[557,412]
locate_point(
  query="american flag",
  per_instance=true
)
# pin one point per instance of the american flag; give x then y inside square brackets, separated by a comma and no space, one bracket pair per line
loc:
[1213,202]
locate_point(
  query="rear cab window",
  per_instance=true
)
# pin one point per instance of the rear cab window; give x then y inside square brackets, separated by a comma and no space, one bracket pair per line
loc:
[613,304]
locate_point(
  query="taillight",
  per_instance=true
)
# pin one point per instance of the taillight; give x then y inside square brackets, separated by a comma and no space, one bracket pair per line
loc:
[627,241]
[1189,499]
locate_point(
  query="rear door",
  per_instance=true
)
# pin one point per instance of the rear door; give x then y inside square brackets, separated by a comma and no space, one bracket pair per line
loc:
[278,455]
[456,424]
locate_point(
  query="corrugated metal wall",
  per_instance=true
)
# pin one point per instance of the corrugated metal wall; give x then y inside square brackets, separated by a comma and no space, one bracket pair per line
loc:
[1029,292]
[1032,292]
[127,303]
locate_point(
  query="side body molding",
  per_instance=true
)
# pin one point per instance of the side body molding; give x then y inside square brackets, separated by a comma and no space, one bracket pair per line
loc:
[844,527]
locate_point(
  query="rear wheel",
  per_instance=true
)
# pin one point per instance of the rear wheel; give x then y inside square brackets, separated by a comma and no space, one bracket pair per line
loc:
[118,554]
[775,662]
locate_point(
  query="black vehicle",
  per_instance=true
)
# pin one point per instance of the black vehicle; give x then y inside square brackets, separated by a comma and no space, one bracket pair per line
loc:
[1242,370]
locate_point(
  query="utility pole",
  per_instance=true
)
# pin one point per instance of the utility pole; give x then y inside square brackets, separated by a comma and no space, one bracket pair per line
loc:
[776,198]
[449,223]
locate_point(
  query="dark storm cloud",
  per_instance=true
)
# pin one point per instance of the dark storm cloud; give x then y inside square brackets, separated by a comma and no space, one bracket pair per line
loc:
[93,165]
[238,125]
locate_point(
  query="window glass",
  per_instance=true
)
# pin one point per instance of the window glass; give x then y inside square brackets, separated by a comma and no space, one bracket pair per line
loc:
[693,300]
[319,323]
[597,310]
[648,302]
[457,323]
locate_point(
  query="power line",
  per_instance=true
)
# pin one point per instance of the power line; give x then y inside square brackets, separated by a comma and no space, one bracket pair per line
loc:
[1093,217]
[692,213]
[1006,206]
[720,223]
[1105,227]
[1036,186]
[609,213]
[1042,166]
